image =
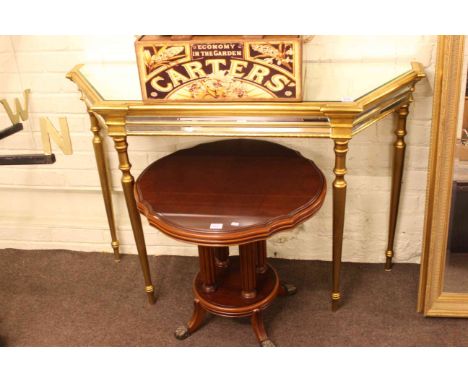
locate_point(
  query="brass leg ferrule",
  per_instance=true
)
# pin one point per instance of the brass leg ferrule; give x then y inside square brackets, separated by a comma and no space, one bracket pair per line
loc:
[115,247]
[335,295]
[149,289]
[388,260]
[335,301]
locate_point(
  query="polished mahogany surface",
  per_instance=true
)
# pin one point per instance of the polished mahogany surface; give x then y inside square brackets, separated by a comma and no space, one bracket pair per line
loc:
[230,192]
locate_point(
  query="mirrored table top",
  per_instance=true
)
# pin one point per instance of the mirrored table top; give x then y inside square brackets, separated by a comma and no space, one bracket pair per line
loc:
[322,81]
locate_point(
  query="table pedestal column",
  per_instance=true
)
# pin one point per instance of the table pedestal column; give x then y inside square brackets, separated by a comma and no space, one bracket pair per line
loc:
[206,256]
[261,256]
[238,290]
[248,274]
[222,257]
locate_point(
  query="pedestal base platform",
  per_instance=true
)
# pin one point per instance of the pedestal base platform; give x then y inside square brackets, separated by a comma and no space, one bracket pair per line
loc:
[227,300]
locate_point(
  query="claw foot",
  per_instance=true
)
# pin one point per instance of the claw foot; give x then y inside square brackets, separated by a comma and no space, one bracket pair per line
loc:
[181,333]
[267,344]
[288,289]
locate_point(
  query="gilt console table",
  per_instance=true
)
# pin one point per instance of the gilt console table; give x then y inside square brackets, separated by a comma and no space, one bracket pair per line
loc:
[340,101]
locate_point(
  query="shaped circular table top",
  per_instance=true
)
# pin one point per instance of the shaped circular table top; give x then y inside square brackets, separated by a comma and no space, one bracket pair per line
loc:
[229,192]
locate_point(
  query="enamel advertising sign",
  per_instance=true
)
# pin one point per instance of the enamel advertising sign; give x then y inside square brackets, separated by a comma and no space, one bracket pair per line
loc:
[225,68]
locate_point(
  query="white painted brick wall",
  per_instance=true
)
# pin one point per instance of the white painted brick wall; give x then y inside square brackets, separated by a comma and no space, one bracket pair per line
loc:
[60,205]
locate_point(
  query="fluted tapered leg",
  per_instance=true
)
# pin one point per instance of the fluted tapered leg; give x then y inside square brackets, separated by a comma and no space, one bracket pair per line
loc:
[127,185]
[398,163]
[339,204]
[105,184]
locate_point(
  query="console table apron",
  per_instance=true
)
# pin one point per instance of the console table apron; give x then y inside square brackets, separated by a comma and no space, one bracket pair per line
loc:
[128,115]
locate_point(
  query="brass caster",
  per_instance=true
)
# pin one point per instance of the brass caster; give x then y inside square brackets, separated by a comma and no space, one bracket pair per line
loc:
[181,333]
[288,289]
[267,344]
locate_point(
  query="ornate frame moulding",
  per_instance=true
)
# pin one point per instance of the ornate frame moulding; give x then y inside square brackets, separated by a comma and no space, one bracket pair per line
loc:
[432,301]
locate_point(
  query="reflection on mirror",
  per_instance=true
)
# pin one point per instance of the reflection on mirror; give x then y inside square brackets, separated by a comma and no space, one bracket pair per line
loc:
[456,266]
[323,81]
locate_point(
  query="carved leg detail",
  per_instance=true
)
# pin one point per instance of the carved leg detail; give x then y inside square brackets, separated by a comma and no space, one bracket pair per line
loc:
[206,256]
[398,163]
[339,203]
[105,184]
[248,260]
[261,256]
[259,329]
[182,332]
[222,257]
[127,185]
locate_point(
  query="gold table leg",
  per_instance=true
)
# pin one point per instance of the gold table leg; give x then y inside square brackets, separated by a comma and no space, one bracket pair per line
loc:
[398,163]
[105,185]
[135,220]
[339,203]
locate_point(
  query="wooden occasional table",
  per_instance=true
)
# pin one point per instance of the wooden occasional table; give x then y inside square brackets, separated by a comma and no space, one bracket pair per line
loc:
[231,192]
[339,102]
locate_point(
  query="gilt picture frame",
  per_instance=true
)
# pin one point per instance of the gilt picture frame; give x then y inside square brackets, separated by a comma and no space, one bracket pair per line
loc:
[432,300]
